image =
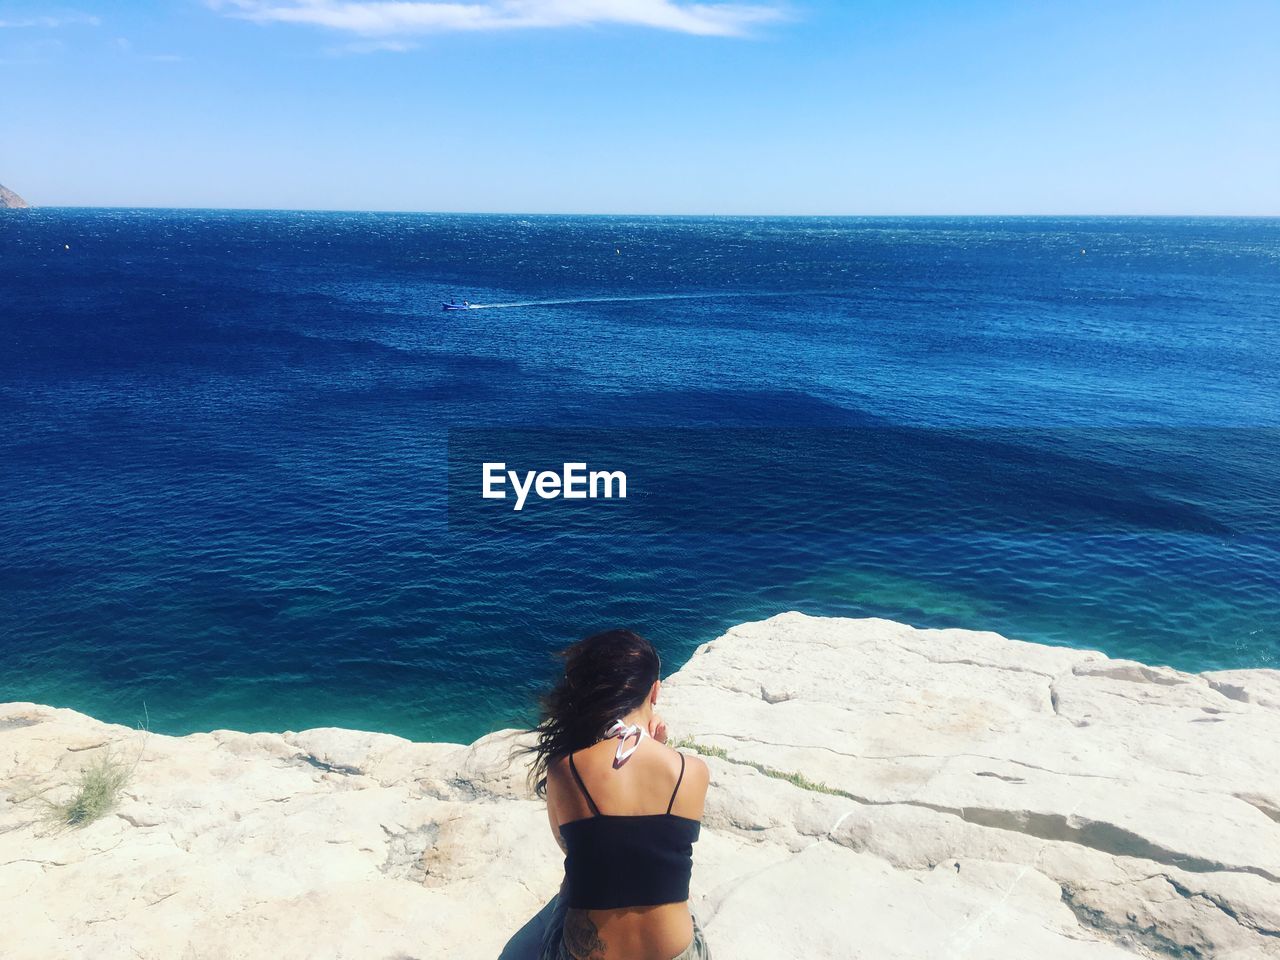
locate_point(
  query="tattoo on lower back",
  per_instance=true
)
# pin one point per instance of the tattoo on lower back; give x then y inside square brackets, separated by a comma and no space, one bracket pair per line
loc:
[582,937]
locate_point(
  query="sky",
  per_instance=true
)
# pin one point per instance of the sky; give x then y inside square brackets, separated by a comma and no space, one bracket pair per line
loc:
[645,106]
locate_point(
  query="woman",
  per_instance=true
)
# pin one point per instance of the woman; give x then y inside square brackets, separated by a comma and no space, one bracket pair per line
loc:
[625,808]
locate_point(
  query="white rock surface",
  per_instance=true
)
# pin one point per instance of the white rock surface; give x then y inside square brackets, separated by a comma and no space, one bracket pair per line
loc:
[982,798]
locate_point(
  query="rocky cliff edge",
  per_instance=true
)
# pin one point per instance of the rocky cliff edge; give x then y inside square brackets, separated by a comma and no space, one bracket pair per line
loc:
[877,791]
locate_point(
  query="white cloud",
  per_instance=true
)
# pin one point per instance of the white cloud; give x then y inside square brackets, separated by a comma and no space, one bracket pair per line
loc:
[372,46]
[50,23]
[392,18]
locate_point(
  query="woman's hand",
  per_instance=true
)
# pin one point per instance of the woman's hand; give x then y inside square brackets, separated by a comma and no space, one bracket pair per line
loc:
[658,728]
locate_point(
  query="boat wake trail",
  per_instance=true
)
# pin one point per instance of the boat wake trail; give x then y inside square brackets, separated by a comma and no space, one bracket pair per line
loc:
[654,296]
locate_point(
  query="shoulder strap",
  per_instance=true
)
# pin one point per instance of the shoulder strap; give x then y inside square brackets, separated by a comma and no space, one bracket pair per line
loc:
[679,780]
[583,787]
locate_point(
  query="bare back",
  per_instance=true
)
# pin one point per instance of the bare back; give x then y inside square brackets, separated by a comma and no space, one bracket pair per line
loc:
[640,786]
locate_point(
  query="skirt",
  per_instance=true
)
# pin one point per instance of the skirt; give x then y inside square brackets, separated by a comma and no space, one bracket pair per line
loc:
[553,945]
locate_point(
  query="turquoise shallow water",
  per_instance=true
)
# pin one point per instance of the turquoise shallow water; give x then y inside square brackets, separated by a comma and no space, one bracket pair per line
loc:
[225,437]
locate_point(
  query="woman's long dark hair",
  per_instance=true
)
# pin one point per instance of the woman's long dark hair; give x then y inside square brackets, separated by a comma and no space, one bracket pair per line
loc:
[606,676]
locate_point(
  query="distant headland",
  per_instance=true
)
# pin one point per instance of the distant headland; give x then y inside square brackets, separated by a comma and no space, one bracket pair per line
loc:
[10,200]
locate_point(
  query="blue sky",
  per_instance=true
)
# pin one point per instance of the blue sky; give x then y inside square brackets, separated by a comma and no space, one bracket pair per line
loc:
[645,106]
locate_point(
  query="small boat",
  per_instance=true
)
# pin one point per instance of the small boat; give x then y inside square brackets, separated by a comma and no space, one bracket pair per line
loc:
[455,305]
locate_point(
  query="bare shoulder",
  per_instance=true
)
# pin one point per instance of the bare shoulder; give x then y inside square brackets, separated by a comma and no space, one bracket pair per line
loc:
[557,774]
[559,767]
[694,765]
[696,771]
[562,798]
[696,774]
[691,793]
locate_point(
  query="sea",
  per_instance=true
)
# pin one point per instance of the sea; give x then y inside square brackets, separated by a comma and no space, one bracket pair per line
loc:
[241,452]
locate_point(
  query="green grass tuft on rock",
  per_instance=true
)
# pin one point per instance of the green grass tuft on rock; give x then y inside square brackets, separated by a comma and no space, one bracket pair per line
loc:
[791,777]
[97,793]
[688,743]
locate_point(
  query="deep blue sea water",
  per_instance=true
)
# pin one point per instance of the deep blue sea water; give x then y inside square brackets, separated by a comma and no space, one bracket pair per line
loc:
[223,443]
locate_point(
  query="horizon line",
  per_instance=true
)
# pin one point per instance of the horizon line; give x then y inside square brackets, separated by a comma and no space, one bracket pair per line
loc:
[624,213]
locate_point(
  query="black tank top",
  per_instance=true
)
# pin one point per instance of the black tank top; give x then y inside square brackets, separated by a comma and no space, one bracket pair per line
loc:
[627,861]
